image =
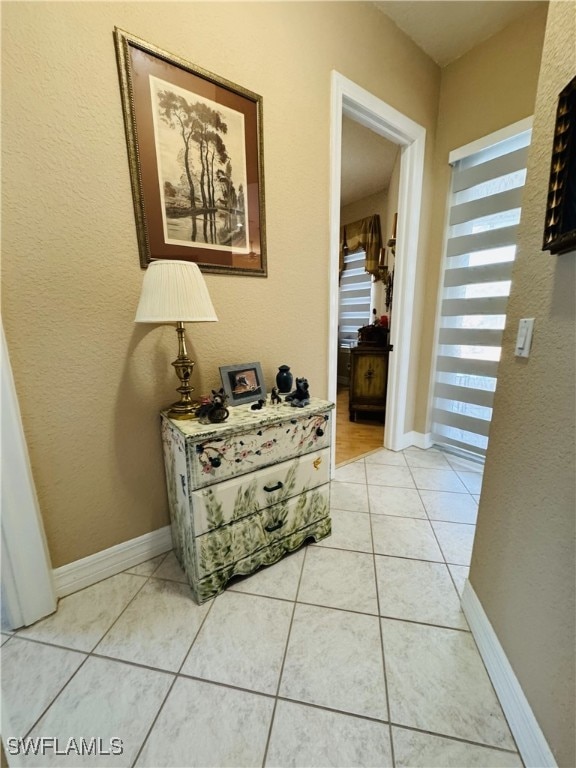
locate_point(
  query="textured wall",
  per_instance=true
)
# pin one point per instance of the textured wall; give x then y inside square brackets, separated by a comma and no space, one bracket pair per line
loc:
[367,206]
[523,560]
[90,382]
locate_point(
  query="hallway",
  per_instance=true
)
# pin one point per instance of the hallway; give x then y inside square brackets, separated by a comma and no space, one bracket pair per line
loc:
[355,438]
[352,652]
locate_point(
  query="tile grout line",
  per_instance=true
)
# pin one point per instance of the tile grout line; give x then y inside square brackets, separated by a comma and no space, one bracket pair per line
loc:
[335,710]
[229,686]
[493,689]
[94,650]
[88,655]
[405,517]
[347,713]
[392,757]
[445,562]
[97,654]
[431,521]
[458,593]
[94,654]
[153,723]
[123,611]
[57,696]
[130,601]
[138,576]
[276,697]
[399,557]
[457,739]
[177,676]
[179,672]
[132,573]
[439,545]
[468,492]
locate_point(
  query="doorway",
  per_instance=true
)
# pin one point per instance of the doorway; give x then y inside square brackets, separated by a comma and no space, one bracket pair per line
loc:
[369,180]
[351,101]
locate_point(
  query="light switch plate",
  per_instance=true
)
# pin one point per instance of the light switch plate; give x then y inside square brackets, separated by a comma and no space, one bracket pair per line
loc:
[524,338]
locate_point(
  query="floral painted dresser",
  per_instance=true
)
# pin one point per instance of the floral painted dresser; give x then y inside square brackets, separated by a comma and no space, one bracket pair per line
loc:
[245,492]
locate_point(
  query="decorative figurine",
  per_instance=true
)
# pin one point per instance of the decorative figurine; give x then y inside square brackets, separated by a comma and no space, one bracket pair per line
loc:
[219,411]
[202,412]
[300,397]
[213,410]
[258,406]
[275,396]
[284,379]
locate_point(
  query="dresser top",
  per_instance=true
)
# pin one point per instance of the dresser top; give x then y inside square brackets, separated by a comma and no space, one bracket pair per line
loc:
[242,417]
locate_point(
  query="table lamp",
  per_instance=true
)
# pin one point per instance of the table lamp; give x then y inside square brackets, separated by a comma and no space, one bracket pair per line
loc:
[175,292]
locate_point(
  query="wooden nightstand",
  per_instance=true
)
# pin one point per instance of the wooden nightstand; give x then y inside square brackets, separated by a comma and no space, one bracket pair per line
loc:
[368,379]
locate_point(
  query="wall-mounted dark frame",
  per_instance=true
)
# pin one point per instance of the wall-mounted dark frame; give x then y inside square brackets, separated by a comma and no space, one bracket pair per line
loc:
[195,150]
[560,224]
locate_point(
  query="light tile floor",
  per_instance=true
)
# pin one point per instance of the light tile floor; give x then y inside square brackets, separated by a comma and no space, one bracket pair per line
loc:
[351,652]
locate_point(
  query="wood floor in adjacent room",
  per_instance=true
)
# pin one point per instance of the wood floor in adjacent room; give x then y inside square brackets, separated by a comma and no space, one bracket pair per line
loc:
[355,438]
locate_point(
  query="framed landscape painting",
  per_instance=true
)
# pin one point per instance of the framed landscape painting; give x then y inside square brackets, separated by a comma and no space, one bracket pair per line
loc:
[196,161]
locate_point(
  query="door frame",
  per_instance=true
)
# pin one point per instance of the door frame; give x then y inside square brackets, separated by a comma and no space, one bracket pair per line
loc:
[27,583]
[350,99]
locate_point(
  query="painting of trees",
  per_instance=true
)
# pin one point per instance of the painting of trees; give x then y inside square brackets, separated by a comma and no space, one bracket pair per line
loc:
[195,153]
[202,168]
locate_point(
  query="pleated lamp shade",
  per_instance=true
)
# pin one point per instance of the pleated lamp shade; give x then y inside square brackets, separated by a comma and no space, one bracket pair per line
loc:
[174,291]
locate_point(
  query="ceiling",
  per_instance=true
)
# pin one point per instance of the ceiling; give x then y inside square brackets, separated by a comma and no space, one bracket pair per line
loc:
[367,162]
[445,30]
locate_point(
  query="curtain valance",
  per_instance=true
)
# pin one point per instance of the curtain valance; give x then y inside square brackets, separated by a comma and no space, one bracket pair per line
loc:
[365,235]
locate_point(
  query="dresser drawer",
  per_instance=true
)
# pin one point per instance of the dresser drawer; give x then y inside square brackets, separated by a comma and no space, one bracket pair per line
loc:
[230,543]
[204,589]
[242,496]
[217,459]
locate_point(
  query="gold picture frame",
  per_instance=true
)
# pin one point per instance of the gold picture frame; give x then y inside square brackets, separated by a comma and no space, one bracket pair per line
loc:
[195,151]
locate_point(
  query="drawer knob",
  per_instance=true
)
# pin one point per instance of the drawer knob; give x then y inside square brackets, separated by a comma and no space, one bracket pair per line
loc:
[274,526]
[319,432]
[274,488]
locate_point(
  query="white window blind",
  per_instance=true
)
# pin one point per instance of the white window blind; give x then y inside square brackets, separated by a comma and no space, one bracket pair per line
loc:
[484,215]
[355,298]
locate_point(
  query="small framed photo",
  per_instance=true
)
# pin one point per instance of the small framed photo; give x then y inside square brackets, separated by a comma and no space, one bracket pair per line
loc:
[243,383]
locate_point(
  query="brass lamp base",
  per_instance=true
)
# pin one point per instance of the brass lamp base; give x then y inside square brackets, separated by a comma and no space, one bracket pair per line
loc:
[185,408]
[183,411]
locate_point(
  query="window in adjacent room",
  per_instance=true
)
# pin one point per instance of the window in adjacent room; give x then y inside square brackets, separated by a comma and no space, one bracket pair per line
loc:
[354,309]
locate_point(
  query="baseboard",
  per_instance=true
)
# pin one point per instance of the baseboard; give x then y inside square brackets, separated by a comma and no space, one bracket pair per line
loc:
[415,439]
[532,745]
[82,573]
[422,440]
